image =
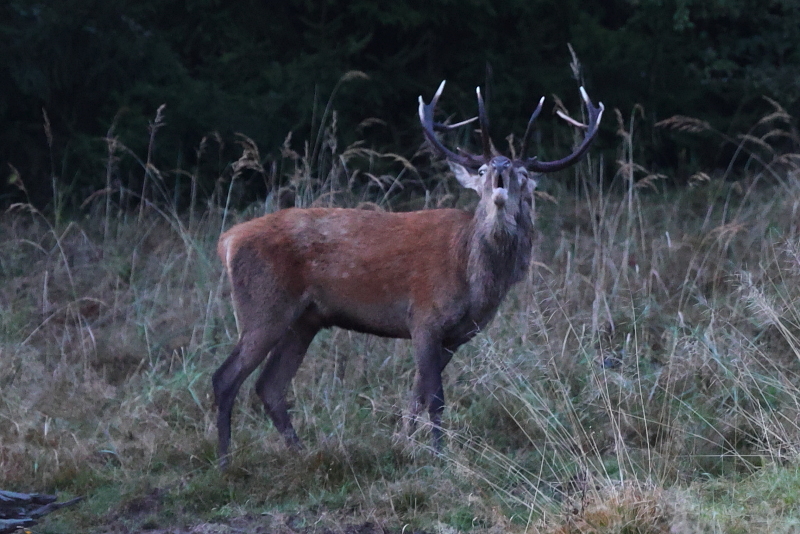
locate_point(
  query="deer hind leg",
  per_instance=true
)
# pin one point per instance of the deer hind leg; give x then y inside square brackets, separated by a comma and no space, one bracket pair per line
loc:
[282,365]
[260,333]
[265,309]
[428,389]
[249,352]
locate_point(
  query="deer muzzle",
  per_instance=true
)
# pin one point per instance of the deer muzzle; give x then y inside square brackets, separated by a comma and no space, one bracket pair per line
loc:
[500,168]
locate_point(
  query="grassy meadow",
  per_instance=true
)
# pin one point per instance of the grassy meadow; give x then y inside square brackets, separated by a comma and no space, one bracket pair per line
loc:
[644,378]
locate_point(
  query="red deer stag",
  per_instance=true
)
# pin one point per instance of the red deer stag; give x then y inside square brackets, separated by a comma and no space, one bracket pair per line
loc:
[436,277]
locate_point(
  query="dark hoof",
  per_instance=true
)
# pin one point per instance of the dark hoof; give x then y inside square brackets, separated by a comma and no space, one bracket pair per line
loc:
[223,462]
[293,441]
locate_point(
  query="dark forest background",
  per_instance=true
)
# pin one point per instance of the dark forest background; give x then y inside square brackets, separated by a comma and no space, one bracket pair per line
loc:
[268,68]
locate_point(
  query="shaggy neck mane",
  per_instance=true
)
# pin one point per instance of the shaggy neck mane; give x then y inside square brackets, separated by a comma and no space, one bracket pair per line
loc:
[499,255]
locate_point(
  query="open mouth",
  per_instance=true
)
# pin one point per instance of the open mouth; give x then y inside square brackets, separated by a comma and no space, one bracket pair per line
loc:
[500,194]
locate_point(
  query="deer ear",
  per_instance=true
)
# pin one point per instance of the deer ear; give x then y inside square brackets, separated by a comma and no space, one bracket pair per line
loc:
[466,178]
[526,181]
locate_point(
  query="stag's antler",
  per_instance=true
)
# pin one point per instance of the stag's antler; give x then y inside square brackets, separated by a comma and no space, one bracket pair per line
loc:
[466,159]
[595,114]
[485,139]
[428,126]
[529,129]
[442,127]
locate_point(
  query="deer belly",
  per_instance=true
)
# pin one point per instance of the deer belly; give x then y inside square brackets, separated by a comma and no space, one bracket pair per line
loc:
[387,319]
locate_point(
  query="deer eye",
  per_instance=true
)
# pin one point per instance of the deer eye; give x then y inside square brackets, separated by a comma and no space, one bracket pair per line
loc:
[482,170]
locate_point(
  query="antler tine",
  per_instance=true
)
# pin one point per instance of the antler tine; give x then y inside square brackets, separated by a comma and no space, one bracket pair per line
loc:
[595,115]
[570,120]
[529,129]
[484,120]
[428,127]
[441,127]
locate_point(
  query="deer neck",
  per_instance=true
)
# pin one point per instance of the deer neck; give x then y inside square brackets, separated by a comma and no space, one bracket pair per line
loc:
[499,252]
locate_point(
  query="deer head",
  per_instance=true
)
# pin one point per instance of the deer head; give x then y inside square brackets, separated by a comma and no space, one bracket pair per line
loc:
[494,176]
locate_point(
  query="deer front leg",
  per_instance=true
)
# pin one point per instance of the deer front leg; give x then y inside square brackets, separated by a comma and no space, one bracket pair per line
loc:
[428,389]
[445,354]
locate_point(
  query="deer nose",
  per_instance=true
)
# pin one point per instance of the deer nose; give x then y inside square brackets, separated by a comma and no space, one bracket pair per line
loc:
[500,164]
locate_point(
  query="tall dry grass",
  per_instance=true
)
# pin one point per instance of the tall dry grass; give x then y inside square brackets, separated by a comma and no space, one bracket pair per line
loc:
[643,378]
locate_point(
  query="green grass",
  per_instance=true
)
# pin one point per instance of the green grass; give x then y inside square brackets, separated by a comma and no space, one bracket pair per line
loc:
[643,378]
